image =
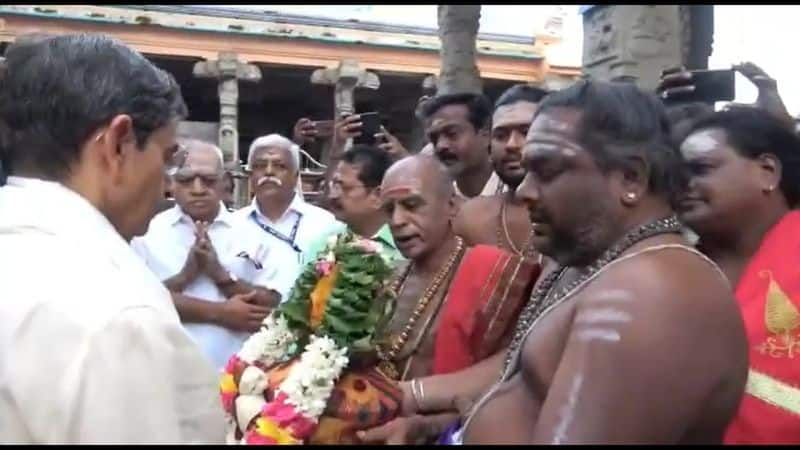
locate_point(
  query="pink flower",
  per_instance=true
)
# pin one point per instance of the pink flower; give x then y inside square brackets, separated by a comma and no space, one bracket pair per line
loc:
[286,416]
[279,411]
[253,438]
[230,367]
[227,401]
[367,245]
[324,267]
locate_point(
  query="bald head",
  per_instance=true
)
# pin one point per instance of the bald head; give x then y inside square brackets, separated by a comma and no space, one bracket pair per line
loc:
[426,172]
[204,151]
[197,184]
[417,192]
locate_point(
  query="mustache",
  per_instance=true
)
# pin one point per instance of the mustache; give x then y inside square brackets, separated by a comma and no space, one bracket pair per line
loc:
[269,179]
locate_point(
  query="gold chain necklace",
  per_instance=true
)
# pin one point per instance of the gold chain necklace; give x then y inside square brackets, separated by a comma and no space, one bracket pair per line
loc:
[387,364]
[527,248]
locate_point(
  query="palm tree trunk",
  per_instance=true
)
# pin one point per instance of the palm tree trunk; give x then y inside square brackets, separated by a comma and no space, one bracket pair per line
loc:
[458,31]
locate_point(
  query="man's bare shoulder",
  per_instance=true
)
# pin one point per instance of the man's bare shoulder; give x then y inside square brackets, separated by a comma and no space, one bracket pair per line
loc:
[670,280]
[479,205]
[472,216]
[672,295]
[659,337]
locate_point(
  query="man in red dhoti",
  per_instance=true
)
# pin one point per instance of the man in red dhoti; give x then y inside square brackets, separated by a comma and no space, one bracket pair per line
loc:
[456,305]
[745,181]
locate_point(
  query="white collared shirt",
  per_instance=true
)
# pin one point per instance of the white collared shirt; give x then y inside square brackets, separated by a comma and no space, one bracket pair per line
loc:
[311,223]
[91,347]
[165,247]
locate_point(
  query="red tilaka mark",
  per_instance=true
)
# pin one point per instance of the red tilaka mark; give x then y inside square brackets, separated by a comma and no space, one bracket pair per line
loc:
[395,191]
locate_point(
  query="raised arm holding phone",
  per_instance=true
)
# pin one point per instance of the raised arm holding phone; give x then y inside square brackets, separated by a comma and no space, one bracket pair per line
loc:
[354,126]
[680,85]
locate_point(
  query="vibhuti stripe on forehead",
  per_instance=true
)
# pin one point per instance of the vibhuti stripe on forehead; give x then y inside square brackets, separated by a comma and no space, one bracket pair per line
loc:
[700,142]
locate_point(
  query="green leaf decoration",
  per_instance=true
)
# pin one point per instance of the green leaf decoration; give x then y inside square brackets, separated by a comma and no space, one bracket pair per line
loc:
[360,304]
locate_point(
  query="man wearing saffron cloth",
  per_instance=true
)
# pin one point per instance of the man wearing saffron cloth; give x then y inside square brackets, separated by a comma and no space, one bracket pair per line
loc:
[501,219]
[455,303]
[753,232]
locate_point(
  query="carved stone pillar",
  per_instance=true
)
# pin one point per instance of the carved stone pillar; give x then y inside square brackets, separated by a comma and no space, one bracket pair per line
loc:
[636,42]
[228,70]
[346,78]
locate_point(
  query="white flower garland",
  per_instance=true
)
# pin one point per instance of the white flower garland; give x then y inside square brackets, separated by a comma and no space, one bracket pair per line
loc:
[310,382]
[306,389]
[269,345]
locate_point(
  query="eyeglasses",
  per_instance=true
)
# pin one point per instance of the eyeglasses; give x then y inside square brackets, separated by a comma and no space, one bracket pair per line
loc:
[188,177]
[337,186]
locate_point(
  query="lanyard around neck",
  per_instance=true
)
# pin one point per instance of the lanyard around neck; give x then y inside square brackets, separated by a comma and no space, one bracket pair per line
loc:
[289,240]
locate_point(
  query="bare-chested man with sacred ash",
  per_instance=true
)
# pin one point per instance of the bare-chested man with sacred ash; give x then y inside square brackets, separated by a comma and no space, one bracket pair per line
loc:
[633,336]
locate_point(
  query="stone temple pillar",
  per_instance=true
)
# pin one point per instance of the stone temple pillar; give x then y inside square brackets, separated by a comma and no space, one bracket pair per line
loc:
[636,42]
[345,78]
[228,71]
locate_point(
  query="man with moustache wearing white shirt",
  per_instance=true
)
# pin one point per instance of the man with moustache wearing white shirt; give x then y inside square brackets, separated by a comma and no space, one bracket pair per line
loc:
[214,266]
[288,225]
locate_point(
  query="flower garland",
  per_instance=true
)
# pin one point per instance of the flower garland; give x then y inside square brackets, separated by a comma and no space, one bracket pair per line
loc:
[339,305]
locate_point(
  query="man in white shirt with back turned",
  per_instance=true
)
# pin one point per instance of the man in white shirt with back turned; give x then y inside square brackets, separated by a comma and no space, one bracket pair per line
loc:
[284,220]
[91,348]
[219,273]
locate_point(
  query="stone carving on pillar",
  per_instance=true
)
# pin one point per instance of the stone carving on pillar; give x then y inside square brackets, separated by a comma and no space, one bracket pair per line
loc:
[228,70]
[429,85]
[346,78]
[632,42]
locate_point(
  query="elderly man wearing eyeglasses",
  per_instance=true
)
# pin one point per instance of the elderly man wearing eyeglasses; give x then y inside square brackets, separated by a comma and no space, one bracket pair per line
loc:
[215,267]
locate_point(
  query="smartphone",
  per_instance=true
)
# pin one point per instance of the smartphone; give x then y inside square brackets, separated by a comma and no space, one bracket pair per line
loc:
[324,128]
[370,124]
[710,86]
